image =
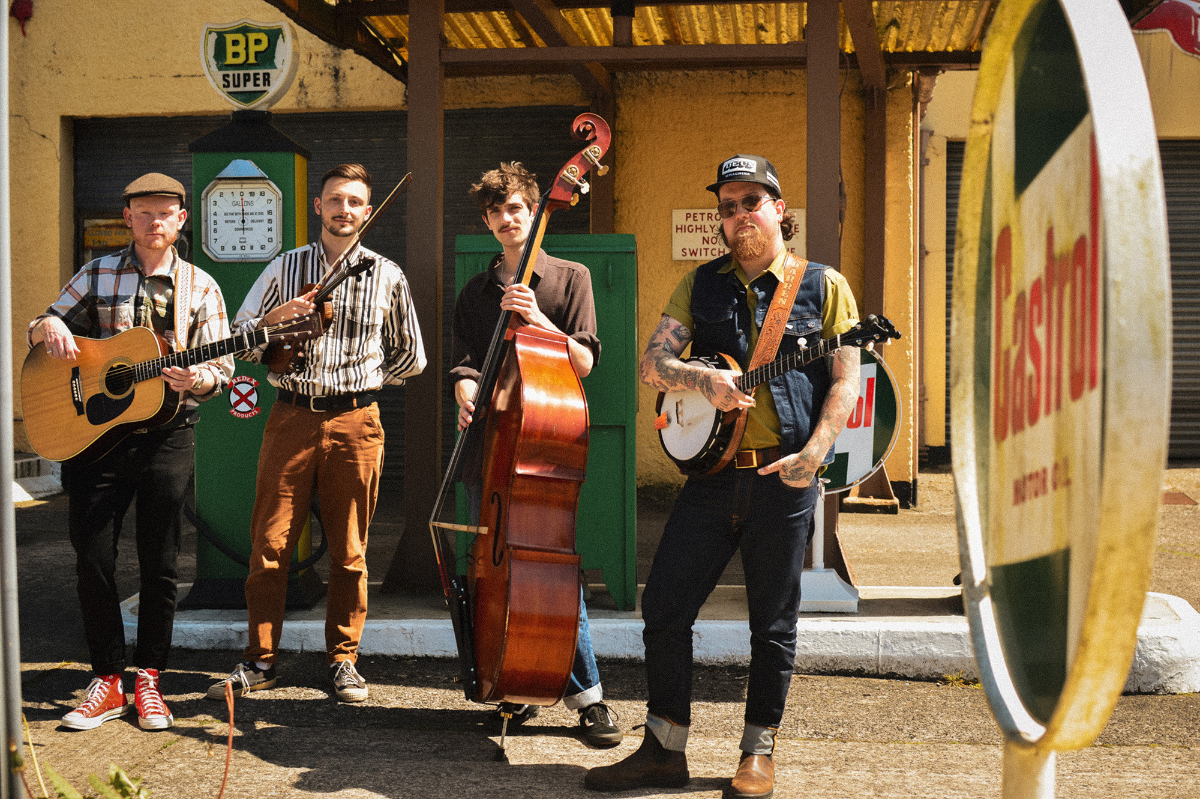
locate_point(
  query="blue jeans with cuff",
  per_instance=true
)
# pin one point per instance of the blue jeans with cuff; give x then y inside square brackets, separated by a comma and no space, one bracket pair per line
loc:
[713,517]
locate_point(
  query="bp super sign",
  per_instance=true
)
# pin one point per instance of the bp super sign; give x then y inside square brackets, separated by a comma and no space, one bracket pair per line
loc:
[1061,364]
[250,63]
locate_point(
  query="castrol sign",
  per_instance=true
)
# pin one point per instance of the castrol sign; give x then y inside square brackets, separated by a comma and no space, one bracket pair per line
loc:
[1060,371]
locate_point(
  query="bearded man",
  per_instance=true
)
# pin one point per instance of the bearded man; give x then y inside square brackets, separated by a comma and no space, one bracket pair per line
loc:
[762,502]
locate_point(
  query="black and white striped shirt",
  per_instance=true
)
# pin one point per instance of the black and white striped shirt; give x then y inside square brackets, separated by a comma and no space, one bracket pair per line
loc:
[373,340]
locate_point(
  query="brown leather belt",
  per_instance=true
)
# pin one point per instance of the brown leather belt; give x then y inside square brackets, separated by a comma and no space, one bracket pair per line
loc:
[327,402]
[755,458]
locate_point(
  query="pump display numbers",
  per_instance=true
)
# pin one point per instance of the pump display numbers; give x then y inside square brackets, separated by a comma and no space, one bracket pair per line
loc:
[242,220]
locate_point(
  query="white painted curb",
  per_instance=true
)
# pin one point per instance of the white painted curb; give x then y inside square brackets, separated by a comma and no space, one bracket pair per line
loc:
[1167,658]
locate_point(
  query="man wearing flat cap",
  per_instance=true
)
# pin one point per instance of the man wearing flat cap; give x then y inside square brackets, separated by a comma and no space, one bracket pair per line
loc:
[146,285]
[762,500]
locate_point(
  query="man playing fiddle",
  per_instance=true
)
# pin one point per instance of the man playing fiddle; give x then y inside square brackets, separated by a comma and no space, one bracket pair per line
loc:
[324,433]
[558,298]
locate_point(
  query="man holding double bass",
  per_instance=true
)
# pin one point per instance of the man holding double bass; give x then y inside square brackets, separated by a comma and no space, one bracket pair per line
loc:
[324,433]
[558,298]
[762,501]
[146,285]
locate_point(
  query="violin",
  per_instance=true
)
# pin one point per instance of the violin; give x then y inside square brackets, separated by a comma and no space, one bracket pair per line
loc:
[516,611]
[301,328]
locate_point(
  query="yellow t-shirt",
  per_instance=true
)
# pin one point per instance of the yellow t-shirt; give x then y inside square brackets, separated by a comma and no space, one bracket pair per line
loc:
[839,315]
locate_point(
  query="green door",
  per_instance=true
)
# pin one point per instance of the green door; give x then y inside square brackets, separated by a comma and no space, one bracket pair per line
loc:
[606,524]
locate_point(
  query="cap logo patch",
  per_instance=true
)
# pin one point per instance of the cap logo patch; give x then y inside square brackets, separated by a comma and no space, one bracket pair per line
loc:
[737,166]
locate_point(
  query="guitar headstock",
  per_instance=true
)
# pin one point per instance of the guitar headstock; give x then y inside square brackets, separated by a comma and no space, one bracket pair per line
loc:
[569,182]
[869,331]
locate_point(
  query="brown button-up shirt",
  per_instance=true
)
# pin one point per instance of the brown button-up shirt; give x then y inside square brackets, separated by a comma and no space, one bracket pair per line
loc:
[564,294]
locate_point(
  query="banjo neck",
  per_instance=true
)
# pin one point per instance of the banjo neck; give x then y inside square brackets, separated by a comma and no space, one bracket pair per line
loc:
[747,381]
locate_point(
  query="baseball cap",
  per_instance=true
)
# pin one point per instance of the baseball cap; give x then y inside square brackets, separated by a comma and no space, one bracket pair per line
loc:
[748,169]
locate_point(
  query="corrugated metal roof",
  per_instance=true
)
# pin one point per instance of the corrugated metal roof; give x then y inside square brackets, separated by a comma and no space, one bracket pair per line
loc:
[903,26]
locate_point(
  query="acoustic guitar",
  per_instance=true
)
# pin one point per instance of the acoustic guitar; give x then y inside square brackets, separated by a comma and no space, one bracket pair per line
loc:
[83,408]
[697,436]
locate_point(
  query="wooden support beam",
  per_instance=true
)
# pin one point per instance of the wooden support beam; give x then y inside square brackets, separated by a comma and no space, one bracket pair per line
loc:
[548,22]
[337,26]
[604,187]
[414,567]
[495,61]
[824,135]
[874,201]
[860,19]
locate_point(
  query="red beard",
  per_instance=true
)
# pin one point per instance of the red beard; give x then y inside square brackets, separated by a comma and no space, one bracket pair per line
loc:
[748,245]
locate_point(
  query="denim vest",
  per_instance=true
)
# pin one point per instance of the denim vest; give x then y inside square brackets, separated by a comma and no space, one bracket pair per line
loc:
[721,317]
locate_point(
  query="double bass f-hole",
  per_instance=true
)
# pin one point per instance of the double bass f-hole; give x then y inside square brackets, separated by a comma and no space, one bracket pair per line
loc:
[497,552]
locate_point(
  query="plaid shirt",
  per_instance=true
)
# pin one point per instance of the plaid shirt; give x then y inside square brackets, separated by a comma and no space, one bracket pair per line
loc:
[108,295]
[373,340]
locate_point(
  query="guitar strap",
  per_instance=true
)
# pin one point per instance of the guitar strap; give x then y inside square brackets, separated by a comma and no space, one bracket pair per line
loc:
[184,281]
[768,341]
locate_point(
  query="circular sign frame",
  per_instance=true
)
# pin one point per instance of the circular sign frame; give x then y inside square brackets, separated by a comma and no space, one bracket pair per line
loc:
[877,411]
[1061,367]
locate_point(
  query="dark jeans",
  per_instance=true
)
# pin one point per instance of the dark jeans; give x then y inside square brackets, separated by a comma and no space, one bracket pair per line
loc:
[585,675]
[714,516]
[156,467]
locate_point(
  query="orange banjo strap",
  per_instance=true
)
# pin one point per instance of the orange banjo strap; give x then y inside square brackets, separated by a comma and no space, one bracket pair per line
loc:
[768,340]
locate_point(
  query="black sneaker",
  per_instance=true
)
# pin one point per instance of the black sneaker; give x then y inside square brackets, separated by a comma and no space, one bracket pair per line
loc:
[599,725]
[245,677]
[347,682]
[520,715]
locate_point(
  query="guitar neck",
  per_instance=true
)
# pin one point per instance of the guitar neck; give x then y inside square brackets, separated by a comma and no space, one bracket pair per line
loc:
[786,363]
[205,352]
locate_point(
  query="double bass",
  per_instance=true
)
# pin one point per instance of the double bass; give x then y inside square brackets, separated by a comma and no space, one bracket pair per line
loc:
[516,611]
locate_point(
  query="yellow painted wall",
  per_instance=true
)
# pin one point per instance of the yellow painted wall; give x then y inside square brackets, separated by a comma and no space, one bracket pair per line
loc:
[1173,77]
[667,149]
[128,58]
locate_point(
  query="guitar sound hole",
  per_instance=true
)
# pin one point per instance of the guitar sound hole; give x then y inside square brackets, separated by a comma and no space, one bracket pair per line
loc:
[118,380]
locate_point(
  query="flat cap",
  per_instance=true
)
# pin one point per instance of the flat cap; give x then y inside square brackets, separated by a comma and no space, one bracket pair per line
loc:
[154,183]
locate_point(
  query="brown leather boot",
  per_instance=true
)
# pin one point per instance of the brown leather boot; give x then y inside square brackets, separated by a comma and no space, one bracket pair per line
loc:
[650,766]
[755,778]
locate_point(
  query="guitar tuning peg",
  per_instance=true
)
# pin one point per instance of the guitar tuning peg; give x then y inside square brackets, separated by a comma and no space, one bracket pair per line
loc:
[574,198]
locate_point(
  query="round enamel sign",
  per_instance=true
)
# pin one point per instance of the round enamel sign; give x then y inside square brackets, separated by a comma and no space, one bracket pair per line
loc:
[870,432]
[1061,367]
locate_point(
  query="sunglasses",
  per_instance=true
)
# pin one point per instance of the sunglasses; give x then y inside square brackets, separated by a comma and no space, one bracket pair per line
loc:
[751,203]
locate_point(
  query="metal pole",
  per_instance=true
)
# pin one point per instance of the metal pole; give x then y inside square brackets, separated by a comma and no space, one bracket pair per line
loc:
[11,690]
[1027,773]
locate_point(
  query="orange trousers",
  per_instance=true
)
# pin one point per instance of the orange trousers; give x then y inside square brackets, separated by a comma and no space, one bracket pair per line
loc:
[340,456]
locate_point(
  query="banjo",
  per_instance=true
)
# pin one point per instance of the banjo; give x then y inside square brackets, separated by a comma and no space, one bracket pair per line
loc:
[697,436]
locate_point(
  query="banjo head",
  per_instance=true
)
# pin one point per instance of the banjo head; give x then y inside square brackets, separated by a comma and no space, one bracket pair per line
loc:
[692,426]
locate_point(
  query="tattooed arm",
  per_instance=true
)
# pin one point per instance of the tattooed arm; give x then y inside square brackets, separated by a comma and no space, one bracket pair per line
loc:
[662,369]
[799,470]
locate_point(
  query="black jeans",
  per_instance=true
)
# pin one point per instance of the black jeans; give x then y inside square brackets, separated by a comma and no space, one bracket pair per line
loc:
[713,517]
[157,468]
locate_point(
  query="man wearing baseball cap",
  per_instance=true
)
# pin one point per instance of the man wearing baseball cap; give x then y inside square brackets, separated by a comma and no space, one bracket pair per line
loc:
[762,501]
[148,285]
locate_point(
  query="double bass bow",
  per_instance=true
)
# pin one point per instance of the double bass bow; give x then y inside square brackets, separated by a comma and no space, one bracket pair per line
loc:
[516,611]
